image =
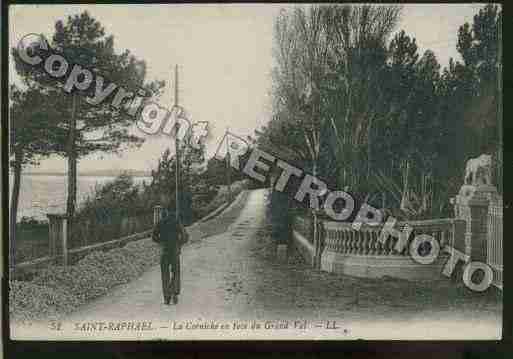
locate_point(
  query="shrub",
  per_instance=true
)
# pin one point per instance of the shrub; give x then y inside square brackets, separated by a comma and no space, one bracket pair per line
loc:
[31,239]
[114,209]
[29,301]
[221,198]
[119,197]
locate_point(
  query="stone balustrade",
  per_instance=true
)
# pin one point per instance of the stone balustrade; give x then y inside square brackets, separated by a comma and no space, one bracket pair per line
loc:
[360,253]
[476,231]
[342,238]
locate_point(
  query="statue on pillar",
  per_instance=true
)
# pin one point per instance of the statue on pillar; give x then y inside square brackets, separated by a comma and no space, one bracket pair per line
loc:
[479,171]
[471,204]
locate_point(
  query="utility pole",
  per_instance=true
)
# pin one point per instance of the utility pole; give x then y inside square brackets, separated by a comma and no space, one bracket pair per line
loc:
[499,112]
[228,170]
[177,153]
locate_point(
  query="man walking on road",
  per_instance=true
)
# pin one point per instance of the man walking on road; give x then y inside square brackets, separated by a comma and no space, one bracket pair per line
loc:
[171,235]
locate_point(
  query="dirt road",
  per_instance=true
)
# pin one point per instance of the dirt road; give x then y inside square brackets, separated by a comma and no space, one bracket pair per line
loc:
[206,268]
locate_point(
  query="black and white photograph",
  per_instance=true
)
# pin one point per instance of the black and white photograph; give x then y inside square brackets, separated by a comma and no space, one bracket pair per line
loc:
[231,172]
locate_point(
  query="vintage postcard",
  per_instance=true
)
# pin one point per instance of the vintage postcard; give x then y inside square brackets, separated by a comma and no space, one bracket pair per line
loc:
[255,171]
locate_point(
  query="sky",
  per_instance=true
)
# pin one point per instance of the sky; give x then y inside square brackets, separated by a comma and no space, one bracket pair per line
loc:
[224,53]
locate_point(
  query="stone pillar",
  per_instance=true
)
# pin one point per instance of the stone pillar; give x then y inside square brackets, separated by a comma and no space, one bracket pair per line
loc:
[58,237]
[471,204]
[157,214]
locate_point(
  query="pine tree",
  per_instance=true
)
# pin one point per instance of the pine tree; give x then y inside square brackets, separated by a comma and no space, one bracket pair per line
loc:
[34,134]
[97,128]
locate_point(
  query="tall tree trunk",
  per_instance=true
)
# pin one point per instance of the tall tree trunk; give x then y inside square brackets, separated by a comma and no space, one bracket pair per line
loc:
[72,167]
[405,199]
[18,160]
[369,148]
[316,236]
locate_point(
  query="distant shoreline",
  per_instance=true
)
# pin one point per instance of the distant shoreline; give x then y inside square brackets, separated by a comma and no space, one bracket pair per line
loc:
[85,174]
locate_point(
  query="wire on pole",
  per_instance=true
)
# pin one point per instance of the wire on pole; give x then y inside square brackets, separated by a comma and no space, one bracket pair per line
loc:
[177,154]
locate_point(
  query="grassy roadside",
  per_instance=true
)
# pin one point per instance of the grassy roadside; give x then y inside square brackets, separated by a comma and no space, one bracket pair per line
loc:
[57,290]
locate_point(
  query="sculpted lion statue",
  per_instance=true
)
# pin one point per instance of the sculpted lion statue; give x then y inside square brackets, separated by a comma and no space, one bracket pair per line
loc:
[479,170]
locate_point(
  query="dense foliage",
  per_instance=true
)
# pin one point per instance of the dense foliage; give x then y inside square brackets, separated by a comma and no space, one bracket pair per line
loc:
[358,106]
